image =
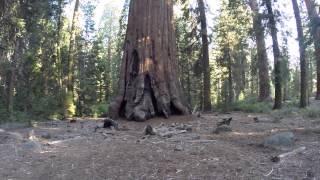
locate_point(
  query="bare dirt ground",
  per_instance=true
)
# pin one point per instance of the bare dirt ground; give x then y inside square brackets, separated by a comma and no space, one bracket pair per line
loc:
[67,151]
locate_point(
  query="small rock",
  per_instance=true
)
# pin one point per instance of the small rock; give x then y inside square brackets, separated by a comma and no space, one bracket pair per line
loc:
[275,159]
[222,129]
[185,127]
[124,128]
[280,139]
[195,137]
[178,148]
[166,135]
[31,146]
[46,136]
[148,130]
[73,121]
[225,121]
[310,174]
[256,119]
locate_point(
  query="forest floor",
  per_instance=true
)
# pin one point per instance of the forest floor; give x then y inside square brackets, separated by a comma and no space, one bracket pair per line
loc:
[66,151]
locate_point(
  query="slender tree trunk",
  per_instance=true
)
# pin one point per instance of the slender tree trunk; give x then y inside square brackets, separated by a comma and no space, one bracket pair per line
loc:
[285,92]
[189,85]
[10,90]
[12,76]
[107,73]
[69,103]
[263,65]
[310,77]
[230,82]
[148,80]
[315,21]
[318,64]
[277,58]
[58,45]
[303,64]
[205,58]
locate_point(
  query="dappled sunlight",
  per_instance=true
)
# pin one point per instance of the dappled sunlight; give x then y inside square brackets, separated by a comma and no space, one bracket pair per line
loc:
[248,133]
[183,89]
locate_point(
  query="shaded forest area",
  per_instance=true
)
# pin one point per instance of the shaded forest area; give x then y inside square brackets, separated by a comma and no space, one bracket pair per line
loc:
[232,88]
[55,66]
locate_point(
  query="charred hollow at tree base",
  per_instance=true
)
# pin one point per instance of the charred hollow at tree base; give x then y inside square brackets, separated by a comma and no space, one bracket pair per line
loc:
[141,104]
[148,83]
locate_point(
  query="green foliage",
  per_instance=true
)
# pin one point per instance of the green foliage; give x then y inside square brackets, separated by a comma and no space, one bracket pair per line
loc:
[4,116]
[231,51]
[311,112]
[252,106]
[69,107]
[46,106]
[291,109]
[99,109]
[287,111]
[40,63]
[188,51]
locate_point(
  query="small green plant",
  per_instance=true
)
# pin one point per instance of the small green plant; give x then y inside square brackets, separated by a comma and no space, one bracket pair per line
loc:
[252,106]
[311,112]
[99,109]
[70,108]
[285,111]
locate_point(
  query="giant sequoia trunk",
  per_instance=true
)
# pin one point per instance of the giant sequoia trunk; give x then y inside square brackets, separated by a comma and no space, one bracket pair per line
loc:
[263,65]
[148,77]
[315,22]
[303,63]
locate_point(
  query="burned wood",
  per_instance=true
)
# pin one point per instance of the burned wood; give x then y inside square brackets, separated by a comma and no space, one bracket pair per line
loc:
[73,121]
[108,124]
[225,121]
[149,130]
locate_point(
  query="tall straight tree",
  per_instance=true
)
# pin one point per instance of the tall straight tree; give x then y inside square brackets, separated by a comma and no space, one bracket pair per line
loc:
[148,83]
[205,57]
[69,104]
[315,23]
[303,64]
[276,55]
[58,43]
[263,65]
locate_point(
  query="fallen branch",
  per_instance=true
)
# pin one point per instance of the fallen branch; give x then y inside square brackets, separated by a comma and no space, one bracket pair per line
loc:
[195,110]
[294,152]
[64,141]
[202,141]
[269,173]
[194,141]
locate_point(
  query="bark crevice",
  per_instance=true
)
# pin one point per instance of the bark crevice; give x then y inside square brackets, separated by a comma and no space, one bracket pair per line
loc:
[148,83]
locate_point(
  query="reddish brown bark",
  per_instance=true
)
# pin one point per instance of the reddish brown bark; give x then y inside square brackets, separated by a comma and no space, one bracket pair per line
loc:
[148,83]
